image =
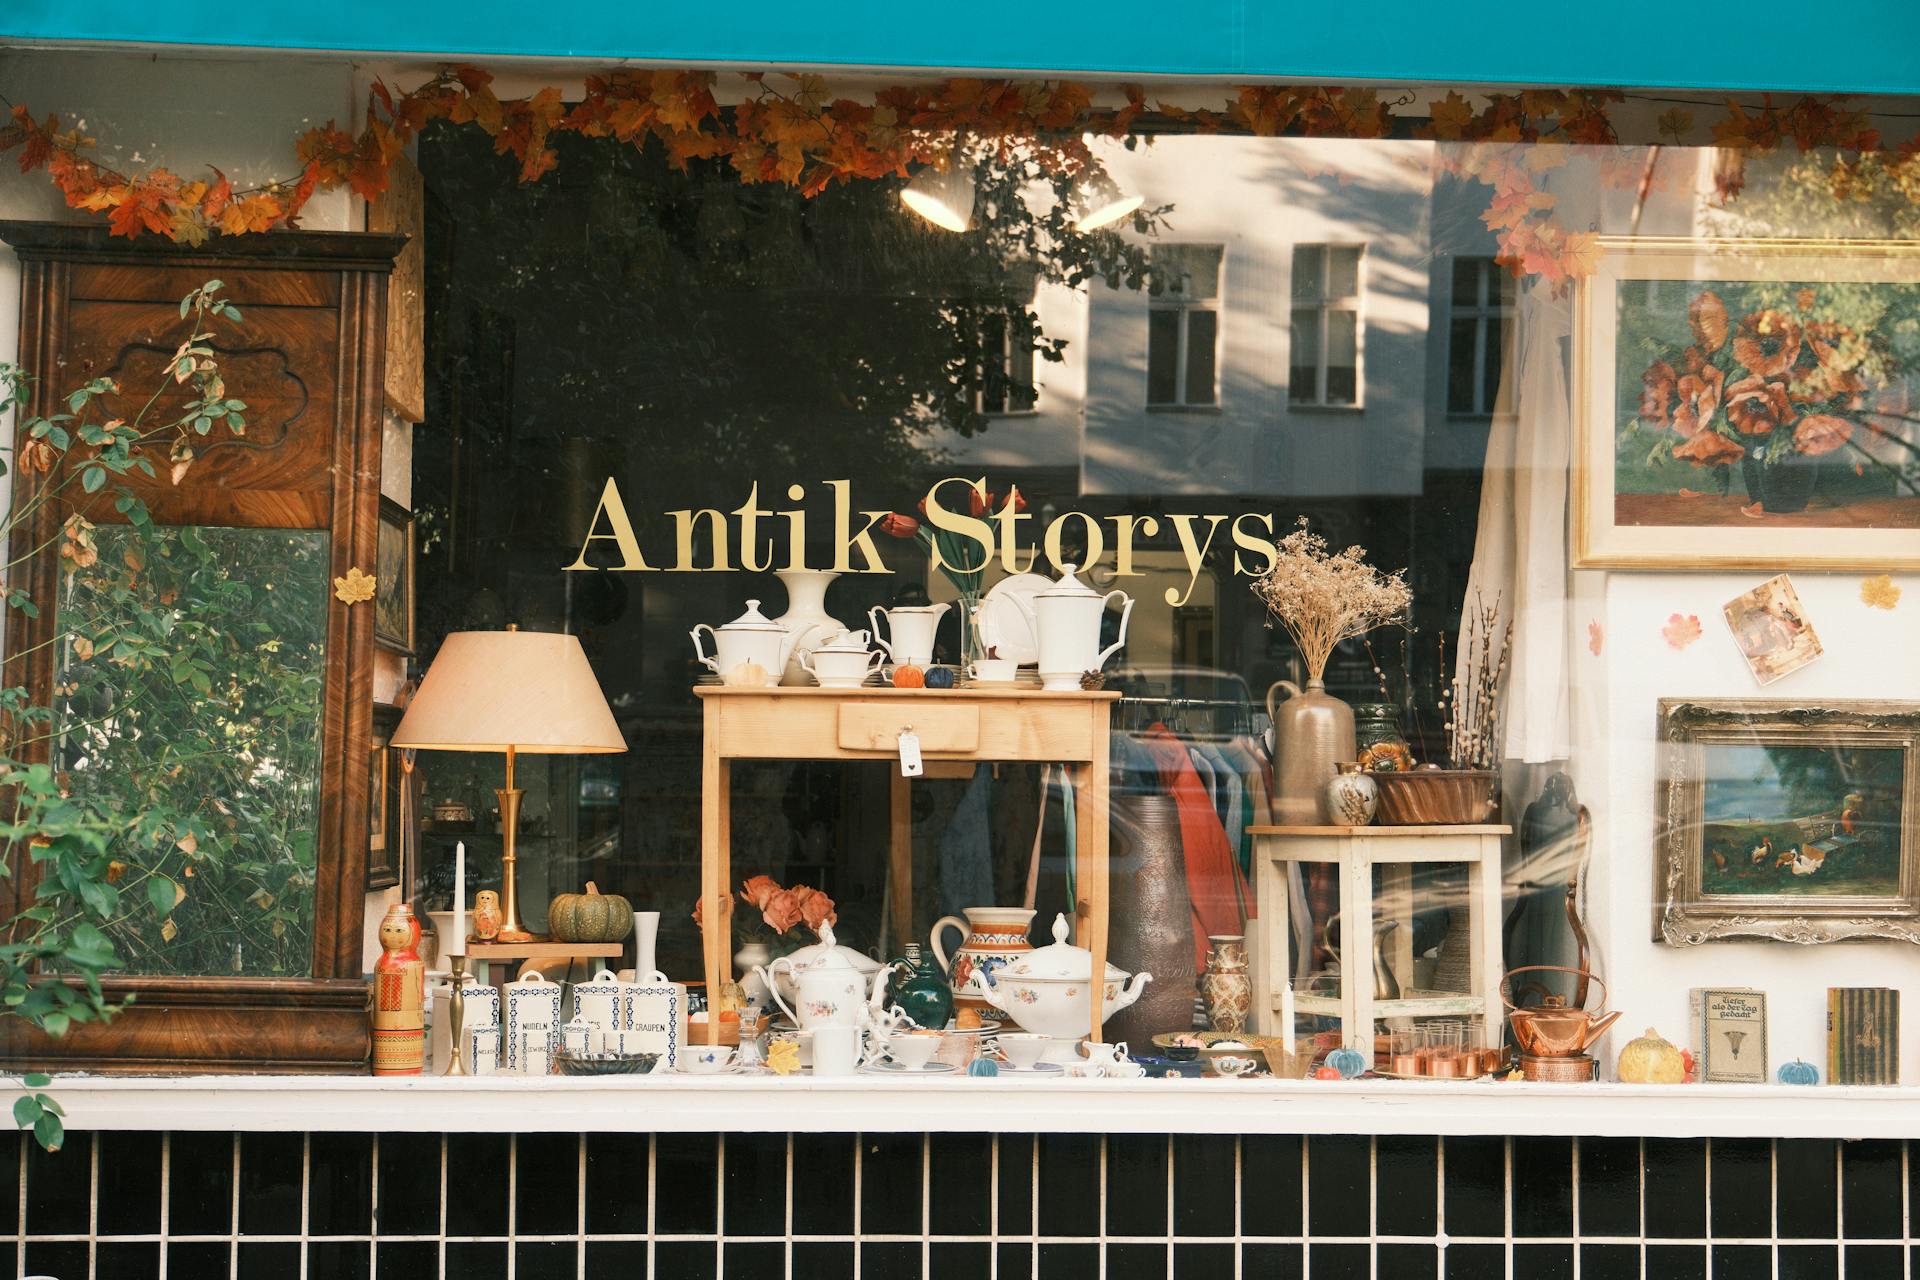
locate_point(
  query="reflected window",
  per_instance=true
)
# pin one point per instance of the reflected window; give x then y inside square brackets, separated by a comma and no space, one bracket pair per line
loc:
[191,673]
[1325,363]
[1183,326]
[1479,316]
[1006,365]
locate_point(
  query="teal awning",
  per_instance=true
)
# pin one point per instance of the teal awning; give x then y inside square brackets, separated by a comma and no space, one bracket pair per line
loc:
[1869,46]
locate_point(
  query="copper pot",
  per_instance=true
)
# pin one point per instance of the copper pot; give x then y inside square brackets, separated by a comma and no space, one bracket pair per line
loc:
[1553,1028]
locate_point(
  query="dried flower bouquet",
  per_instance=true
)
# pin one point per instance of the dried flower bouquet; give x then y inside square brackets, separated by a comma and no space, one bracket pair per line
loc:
[1322,597]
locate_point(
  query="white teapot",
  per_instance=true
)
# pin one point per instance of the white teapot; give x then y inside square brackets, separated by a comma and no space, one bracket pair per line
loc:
[750,640]
[910,631]
[1048,989]
[828,991]
[1066,619]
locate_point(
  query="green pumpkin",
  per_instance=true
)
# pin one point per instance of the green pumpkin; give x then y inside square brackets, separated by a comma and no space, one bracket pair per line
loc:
[589,917]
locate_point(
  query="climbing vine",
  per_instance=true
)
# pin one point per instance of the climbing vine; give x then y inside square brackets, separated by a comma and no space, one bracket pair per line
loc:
[791,130]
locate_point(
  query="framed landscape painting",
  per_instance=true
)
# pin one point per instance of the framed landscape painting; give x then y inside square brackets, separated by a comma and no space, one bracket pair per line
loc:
[1788,822]
[1748,404]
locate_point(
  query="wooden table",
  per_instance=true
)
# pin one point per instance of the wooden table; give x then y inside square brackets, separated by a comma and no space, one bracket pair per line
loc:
[965,726]
[1356,851]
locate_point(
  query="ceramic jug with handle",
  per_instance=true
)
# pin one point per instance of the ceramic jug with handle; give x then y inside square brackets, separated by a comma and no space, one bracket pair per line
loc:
[1066,618]
[750,640]
[990,938]
[910,631]
[830,992]
[1312,734]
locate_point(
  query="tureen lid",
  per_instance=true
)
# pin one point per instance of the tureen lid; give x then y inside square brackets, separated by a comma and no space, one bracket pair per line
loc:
[753,620]
[1062,960]
[843,642]
[1068,585]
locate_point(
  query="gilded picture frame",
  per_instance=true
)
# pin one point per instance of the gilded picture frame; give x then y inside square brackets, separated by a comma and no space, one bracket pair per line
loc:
[1655,365]
[1788,822]
[384,817]
[393,600]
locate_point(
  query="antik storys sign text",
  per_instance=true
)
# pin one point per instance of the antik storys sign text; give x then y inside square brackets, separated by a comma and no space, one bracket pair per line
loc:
[977,531]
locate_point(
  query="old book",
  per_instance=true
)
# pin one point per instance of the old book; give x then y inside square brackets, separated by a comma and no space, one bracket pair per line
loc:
[1730,1034]
[1863,1035]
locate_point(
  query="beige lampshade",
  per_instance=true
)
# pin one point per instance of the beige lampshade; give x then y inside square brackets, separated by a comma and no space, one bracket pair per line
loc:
[529,690]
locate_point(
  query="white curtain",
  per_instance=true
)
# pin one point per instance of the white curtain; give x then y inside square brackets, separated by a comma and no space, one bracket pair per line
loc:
[1520,548]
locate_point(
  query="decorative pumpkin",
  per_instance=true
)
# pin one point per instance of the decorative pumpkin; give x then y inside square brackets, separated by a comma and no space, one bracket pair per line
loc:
[908,676]
[1651,1060]
[1798,1072]
[983,1067]
[1325,1073]
[939,677]
[1348,1061]
[589,917]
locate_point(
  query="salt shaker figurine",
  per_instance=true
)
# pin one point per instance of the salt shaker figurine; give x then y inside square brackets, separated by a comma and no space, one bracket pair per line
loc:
[486,916]
[399,991]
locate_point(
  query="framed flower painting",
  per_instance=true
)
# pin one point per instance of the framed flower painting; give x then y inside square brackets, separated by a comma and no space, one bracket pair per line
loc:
[1748,404]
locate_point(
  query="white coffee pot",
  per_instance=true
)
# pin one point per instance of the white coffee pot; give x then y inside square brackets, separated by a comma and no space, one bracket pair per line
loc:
[750,639]
[1066,619]
[910,631]
[827,992]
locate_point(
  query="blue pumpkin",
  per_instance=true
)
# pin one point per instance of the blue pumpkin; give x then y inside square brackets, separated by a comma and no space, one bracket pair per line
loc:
[1349,1062]
[939,677]
[983,1067]
[1797,1072]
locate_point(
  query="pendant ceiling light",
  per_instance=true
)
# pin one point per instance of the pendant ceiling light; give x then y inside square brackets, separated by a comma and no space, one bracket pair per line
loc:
[944,198]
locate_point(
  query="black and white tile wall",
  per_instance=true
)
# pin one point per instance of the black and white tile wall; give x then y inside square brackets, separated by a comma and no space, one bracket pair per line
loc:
[351,1206]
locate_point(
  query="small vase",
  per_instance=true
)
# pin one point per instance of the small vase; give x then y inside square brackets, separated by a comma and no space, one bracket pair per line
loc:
[1782,486]
[1227,987]
[1313,733]
[921,990]
[752,986]
[1352,796]
[1378,743]
[971,647]
[806,617]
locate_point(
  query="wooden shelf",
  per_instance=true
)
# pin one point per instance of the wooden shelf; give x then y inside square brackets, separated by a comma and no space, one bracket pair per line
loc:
[542,950]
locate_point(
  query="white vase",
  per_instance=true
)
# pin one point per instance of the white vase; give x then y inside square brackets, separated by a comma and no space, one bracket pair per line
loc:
[752,985]
[806,617]
[646,934]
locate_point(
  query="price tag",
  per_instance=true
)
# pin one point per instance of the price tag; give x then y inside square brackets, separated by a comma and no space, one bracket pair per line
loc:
[910,766]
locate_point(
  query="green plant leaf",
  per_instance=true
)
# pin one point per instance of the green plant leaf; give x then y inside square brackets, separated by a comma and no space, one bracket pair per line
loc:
[36,1079]
[49,1132]
[26,1110]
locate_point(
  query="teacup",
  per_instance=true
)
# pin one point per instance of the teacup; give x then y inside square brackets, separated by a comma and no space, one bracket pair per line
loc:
[1022,1049]
[993,671]
[841,668]
[1228,1064]
[706,1059]
[911,1051]
[1102,1054]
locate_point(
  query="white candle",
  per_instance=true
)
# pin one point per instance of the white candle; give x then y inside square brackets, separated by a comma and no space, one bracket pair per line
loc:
[458,945]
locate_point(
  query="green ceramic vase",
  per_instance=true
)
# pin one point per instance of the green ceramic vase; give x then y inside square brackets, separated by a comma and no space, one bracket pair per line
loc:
[920,989]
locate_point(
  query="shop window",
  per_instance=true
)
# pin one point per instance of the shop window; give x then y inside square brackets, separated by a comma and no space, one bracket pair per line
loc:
[1479,318]
[1327,337]
[1183,327]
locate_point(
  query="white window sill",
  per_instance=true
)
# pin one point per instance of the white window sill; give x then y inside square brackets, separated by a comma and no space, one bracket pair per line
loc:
[867,1104]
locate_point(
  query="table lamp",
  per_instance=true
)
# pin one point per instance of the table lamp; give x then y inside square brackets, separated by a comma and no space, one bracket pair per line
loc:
[513,691]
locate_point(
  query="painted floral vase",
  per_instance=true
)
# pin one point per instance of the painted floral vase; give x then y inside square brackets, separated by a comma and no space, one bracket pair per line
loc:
[1352,797]
[993,937]
[1227,987]
[1379,745]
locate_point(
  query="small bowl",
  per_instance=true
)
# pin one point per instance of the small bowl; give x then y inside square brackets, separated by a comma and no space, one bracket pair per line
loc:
[706,1060]
[913,1051]
[605,1064]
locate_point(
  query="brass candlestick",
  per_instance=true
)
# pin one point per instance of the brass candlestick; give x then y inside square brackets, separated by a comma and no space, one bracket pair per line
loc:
[457,1013]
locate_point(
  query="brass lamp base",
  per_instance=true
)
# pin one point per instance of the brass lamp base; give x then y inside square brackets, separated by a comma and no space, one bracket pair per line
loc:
[511,930]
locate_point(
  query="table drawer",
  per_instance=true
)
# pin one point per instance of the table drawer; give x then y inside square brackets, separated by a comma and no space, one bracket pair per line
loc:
[872,726]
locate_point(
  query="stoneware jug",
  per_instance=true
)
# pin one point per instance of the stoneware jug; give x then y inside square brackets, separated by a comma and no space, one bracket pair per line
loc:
[910,631]
[806,617]
[1066,618]
[1313,733]
[991,937]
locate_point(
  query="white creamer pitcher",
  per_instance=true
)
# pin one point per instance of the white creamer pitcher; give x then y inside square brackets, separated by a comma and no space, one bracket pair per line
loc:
[1066,618]
[910,631]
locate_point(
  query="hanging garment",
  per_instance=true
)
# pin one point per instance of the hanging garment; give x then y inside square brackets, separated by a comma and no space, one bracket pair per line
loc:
[1213,877]
[966,848]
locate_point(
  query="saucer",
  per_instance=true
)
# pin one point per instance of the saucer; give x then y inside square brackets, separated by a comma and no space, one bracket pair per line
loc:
[1037,1069]
[895,1069]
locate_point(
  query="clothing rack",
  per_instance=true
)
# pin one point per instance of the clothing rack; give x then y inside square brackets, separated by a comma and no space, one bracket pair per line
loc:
[1176,708]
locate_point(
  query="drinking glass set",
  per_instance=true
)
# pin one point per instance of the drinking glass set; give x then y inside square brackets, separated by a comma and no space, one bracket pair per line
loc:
[1446,1049]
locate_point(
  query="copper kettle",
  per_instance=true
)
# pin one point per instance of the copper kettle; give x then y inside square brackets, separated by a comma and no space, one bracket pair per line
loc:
[1553,1028]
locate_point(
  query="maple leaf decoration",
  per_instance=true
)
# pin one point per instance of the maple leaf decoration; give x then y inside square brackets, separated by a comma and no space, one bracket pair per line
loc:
[355,587]
[1681,630]
[1879,592]
[1596,638]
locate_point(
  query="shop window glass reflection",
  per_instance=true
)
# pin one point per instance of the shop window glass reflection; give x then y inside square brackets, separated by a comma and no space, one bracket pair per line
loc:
[1183,325]
[1326,325]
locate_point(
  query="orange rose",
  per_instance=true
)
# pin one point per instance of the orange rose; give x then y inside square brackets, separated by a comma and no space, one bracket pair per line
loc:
[816,908]
[1657,387]
[1699,400]
[756,891]
[781,912]
[1767,343]
[1708,316]
[1757,406]
[1820,433]
[1708,448]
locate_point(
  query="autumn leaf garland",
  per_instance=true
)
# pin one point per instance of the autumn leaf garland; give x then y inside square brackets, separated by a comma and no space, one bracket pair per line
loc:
[789,130]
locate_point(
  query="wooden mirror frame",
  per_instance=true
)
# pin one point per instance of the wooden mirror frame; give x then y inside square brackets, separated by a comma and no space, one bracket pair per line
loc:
[314,305]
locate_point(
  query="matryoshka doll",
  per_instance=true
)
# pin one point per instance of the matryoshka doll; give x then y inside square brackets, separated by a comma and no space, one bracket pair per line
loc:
[486,916]
[399,990]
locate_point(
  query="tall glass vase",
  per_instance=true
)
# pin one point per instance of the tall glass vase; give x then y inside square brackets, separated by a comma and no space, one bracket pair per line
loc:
[971,647]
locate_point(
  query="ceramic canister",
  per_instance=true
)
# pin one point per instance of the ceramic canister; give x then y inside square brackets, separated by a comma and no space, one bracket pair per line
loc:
[482,1009]
[577,1037]
[602,1002]
[484,1044]
[531,1000]
[655,1008]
